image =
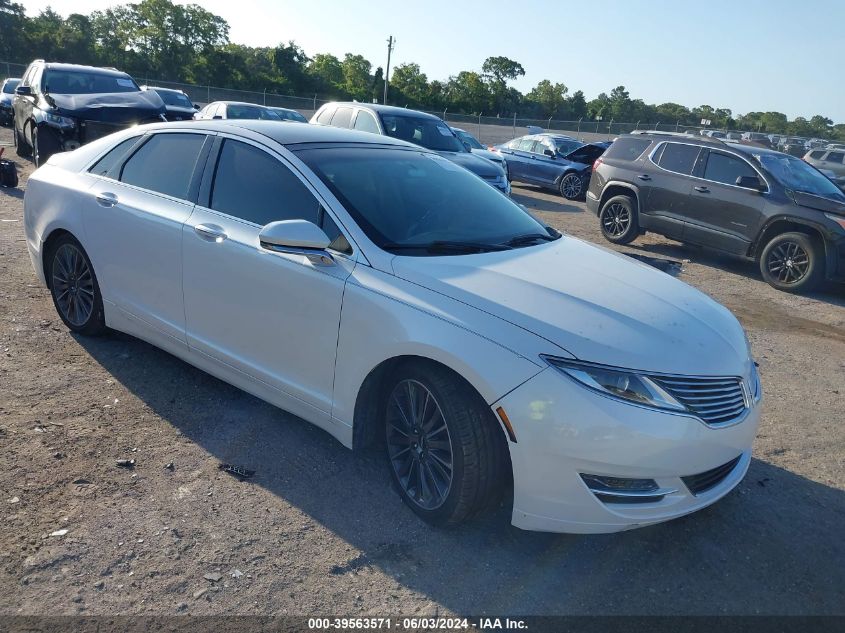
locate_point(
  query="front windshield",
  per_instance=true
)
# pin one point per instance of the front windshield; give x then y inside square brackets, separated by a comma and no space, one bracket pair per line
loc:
[404,199]
[565,146]
[469,139]
[83,82]
[175,99]
[235,111]
[10,85]
[793,173]
[430,133]
[290,115]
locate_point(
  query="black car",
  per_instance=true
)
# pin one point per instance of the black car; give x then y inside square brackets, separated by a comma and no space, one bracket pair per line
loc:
[7,95]
[177,104]
[59,107]
[553,161]
[749,201]
[286,114]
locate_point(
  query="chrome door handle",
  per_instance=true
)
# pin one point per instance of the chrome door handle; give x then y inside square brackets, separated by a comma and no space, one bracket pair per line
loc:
[702,189]
[644,177]
[210,232]
[107,199]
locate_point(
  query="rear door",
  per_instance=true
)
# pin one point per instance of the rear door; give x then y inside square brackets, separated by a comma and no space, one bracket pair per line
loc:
[667,187]
[133,224]
[721,214]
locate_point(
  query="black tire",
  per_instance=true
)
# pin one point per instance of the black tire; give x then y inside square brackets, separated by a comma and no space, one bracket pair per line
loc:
[44,145]
[618,220]
[478,451]
[74,288]
[793,262]
[21,148]
[571,186]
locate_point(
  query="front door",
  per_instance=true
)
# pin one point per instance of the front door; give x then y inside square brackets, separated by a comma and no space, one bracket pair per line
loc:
[269,315]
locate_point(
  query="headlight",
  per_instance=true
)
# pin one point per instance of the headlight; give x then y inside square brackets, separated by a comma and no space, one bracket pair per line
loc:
[618,383]
[59,121]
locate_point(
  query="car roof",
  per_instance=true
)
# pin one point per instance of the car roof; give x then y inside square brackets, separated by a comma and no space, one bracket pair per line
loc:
[286,134]
[242,103]
[112,72]
[707,141]
[386,109]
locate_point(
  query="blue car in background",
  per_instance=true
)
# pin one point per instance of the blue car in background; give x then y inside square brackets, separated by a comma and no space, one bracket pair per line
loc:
[552,161]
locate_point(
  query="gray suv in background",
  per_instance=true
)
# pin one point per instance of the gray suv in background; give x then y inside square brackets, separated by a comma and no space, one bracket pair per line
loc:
[748,201]
[419,128]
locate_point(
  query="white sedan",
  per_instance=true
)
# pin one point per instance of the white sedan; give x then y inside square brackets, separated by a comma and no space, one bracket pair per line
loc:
[391,297]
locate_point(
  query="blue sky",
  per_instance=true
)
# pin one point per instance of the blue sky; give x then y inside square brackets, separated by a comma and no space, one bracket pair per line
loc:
[745,55]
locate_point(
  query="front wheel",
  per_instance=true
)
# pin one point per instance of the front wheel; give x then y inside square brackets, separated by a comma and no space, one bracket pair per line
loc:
[571,186]
[446,451]
[618,220]
[74,287]
[792,262]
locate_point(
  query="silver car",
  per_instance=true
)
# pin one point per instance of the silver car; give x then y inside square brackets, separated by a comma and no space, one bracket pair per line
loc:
[829,161]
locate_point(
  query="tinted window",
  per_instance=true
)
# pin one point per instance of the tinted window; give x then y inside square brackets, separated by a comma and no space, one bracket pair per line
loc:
[325,116]
[241,111]
[726,169]
[627,148]
[835,157]
[113,157]
[428,132]
[83,82]
[165,164]
[678,158]
[816,155]
[173,98]
[253,185]
[366,123]
[342,117]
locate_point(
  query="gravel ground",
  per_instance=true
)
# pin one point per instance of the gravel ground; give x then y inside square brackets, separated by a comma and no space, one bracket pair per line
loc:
[319,530]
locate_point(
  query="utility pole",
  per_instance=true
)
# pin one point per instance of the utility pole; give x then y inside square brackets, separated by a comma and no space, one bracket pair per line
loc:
[390,43]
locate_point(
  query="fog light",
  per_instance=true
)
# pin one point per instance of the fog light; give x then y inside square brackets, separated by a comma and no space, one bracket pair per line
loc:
[624,490]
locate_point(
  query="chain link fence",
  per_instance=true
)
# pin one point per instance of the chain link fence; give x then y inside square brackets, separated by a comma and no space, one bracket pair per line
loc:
[489,130]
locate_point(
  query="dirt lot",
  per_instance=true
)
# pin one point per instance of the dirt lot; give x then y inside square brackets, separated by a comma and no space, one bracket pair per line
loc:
[318,530]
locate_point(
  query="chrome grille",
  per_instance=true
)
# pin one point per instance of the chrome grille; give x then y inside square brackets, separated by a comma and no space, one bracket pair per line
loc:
[714,400]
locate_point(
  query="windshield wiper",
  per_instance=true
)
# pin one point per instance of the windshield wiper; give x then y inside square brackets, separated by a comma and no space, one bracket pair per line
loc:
[530,238]
[446,246]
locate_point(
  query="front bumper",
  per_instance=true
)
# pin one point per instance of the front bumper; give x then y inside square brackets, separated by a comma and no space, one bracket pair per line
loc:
[563,430]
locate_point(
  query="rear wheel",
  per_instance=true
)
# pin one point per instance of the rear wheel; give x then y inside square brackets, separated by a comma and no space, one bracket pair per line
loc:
[571,186]
[446,451]
[792,262]
[74,287]
[618,220]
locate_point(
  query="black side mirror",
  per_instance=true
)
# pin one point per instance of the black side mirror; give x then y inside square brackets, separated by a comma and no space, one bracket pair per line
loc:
[217,116]
[549,153]
[750,182]
[467,146]
[23,91]
[196,106]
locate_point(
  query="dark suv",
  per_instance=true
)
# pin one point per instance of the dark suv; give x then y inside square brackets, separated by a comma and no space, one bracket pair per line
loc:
[59,107]
[750,201]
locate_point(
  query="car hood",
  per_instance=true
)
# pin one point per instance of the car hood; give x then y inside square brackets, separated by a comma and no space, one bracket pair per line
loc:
[819,203]
[118,107]
[598,305]
[488,155]
[474,163]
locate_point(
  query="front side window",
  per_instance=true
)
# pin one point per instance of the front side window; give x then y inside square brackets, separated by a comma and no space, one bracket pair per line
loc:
[252,185]
[366,123]
[526,144]
[430,133]
[678,157]
[408,201]
[164,164]
[85,82]
[835,157]
[726,169]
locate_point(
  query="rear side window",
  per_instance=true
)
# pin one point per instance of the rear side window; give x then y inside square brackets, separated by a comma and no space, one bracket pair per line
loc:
[816,155]
[726,169]
[325,116]
[678,158]
[102,166]
[342,117]
[366,123]
[627,148]
[252,185]
[835,157]
[164,164]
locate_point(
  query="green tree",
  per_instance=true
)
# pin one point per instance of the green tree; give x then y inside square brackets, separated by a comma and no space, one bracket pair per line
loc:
[410,83]
[290,63]
[327,73]
[551,98]
[468,92]
[13,30]
[577,105]
[496,72]
[356,76]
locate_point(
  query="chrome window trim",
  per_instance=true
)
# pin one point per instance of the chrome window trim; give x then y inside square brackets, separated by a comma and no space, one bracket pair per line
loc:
[716,182]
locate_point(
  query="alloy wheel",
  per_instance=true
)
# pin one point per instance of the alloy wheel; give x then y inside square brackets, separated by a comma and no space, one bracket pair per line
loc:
[73,284]
[615,219]
[788,262]
[419,445]
[570,186]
